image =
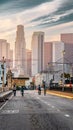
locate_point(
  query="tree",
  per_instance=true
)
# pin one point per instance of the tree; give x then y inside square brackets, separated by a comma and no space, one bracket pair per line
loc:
[66,75]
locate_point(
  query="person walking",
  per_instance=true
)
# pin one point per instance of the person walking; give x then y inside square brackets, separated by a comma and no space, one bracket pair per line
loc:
[22,90]
[14,89]
[44,87]
[39,90]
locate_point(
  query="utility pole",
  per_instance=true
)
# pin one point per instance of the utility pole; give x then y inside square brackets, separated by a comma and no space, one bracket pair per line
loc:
[3,73]
[63,52]
[71,77]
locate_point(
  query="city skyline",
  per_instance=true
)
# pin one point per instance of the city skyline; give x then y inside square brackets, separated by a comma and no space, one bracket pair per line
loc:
[50,16]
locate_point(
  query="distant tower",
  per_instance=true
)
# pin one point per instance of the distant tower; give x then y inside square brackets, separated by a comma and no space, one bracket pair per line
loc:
[47,54]
[37,52]
[20,51]
[29,62]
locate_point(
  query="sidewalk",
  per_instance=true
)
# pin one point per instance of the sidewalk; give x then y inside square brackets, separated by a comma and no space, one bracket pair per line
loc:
[4,95]
[61,94]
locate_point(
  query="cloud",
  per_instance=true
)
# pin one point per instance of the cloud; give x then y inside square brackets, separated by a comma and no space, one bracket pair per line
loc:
[61,13]
[45,15]
[15,6]
[56,20]
[39,13]
[25,16]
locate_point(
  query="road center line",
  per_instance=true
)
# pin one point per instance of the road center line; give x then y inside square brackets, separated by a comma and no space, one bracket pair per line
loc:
[47,103]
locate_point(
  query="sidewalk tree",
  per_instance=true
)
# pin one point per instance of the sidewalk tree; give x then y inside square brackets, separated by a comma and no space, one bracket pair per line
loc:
[66,75]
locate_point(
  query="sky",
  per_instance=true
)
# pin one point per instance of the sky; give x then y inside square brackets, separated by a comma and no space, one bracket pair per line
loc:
[50,16]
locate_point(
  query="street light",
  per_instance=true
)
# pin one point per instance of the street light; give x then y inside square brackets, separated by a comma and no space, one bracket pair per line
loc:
[63,52]
[3,61]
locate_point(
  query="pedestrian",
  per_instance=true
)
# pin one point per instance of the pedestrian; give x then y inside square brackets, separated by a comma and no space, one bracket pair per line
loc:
[22,90]
[44,87]
[14,89]
[39,90]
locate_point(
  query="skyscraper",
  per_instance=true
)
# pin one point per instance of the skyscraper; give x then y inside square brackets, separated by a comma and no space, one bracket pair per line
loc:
[29,62]
[58,48]
[47,54]
[67,38]
[5,52]
[57,60]
[4,49]
[11,57]
[37,52]
[20,51]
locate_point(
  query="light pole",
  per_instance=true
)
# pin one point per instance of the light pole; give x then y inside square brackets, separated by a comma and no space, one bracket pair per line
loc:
[3,73]
[71,75]
[63,52]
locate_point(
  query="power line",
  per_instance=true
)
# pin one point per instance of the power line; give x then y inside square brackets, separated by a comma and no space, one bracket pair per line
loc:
[8,60]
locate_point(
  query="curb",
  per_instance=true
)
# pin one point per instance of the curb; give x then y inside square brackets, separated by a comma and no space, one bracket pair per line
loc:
[60,95]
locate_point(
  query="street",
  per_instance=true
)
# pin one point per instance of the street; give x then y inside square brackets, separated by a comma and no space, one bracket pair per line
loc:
[36,112]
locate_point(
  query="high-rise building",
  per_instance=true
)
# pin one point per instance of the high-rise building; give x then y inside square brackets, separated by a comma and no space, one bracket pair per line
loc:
[20,51]
[58,48]
[5,52]
[29,62]
[4,49]
[37,52]
[58,60]
[11,57]
[67,38]
[47,54]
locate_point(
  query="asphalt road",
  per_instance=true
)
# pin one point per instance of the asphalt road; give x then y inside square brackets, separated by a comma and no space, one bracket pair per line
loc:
[36,112]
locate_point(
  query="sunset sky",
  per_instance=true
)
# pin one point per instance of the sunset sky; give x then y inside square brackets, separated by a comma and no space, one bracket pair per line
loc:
[50,16]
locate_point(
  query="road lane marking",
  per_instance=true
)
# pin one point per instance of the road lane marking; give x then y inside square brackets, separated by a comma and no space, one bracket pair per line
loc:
[38,98]
[45,102]
[48,104]
[53,106]
[5,104]
[10,111]
[58,110]
[10,97]
[67,115]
